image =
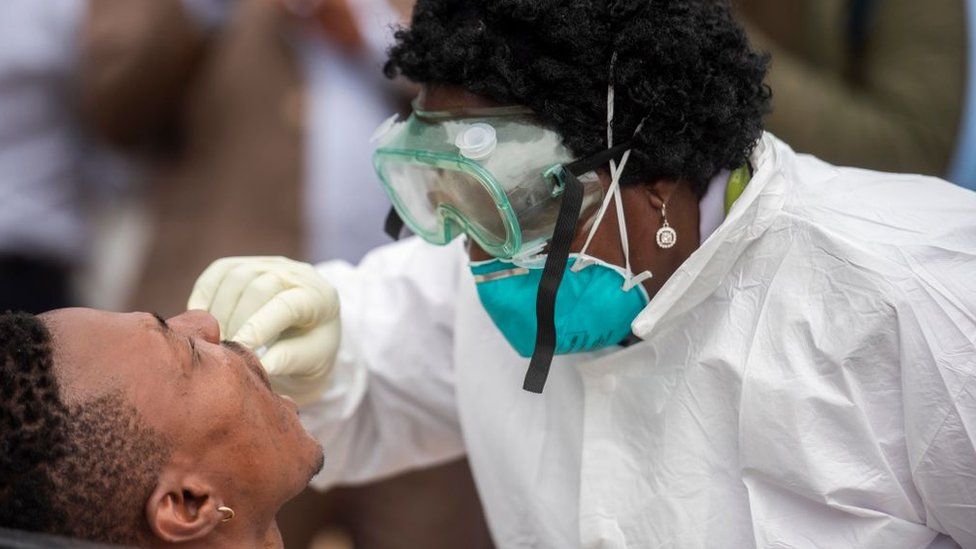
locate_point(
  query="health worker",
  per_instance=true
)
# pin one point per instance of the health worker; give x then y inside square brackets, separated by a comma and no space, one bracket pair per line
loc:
[721,342]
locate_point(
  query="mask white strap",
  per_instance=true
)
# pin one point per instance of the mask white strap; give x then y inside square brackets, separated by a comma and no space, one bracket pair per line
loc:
[622,223]
[633,280]
[582,261]
[610,104]
[613,193]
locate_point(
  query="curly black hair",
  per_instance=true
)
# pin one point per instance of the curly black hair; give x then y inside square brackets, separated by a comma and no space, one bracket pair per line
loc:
[83,471]
[683,67]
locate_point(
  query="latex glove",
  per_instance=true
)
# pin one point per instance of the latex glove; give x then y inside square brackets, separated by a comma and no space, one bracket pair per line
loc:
[280,304]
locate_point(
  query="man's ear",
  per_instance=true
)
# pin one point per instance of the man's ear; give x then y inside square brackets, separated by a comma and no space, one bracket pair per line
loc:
[182,508]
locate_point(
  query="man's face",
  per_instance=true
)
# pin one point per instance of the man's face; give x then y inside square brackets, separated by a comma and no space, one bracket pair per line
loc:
[211,401]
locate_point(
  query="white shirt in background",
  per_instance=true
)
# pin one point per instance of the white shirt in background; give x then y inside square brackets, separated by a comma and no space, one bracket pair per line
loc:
[348,97]
[40,145]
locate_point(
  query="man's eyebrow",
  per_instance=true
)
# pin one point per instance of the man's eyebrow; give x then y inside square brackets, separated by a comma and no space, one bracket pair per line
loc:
[162,322]
[170,335]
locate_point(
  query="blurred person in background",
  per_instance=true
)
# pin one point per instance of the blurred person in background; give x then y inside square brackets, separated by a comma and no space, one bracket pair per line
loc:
[341,52]
[61,103]
[267,117]
[220,111]
[868,83]
[43,151]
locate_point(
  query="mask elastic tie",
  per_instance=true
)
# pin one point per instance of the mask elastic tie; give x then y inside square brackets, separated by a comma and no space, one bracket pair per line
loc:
[582,261]
[613,193]
[611,100]
[590,164]
[632,280]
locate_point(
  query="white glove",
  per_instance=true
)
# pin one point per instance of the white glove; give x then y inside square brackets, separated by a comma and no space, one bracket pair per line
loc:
[280,304]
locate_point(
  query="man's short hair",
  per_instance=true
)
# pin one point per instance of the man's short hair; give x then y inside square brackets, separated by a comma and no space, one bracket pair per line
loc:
[84,471]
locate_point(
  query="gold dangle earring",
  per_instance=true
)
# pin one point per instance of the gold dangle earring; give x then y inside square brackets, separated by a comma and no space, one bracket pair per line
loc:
[666,235]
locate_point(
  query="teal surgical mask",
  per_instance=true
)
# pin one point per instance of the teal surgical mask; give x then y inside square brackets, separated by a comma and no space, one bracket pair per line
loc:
[593,310]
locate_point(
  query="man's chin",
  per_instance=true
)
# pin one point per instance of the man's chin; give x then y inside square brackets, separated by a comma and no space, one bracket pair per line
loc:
[309,461]
[319,462]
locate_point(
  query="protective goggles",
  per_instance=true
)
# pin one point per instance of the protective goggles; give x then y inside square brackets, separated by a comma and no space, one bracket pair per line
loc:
[494,174]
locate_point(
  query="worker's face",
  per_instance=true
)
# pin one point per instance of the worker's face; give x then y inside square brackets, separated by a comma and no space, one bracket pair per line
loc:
[233,442]
[642,206]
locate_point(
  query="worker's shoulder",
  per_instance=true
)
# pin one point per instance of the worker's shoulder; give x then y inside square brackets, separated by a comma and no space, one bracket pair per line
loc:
[884,208]
[914,232]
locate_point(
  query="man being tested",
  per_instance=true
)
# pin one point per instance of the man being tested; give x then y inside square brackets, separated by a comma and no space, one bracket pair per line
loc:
[131,429]
[735,345]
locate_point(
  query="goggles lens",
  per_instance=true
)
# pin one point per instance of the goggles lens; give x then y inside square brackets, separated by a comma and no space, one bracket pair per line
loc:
[493,177]
[439,203]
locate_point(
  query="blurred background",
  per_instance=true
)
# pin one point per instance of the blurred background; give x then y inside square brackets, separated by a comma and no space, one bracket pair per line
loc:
[141,139]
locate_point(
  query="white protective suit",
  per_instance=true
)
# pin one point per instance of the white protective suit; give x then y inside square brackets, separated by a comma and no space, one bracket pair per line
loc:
[806,379]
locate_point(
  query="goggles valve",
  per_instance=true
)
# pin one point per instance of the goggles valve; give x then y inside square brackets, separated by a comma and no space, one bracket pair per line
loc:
[477,142]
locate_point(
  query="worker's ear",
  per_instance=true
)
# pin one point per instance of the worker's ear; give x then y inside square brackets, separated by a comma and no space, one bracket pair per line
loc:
[182,508]
[660,192]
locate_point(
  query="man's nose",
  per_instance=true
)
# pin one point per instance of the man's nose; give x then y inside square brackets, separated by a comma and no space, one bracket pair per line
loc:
[197,324]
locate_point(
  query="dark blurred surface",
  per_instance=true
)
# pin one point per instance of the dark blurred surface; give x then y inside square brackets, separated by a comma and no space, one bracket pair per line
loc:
[866,83]
[15,539]
[436,508]
[234,185]
[33,285]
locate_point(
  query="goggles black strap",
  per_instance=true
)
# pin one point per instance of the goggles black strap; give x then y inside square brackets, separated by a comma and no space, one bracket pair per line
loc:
[393,225]
[590,163]
[552,277]
[558,257]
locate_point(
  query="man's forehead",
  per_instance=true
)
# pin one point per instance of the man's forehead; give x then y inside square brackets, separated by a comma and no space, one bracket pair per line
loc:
[98,352]
[147,361]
